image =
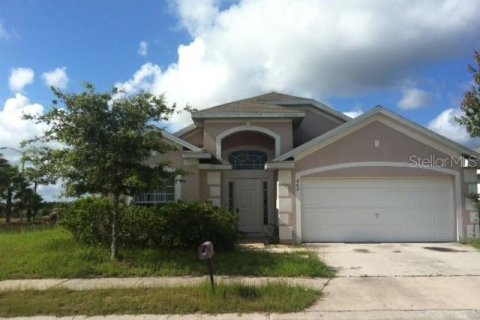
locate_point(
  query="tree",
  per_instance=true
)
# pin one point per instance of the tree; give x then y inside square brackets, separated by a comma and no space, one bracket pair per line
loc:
[106,139]
[471,101]
[10,180]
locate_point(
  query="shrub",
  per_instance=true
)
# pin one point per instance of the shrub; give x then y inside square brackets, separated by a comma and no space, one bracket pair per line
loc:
[188,224]
[89,220]
[176,225]
[139,226]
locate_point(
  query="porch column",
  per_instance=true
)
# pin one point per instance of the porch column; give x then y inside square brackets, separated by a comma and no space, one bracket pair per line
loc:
[214,182]
[285,206]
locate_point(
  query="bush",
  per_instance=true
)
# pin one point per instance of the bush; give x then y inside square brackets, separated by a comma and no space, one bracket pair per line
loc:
[176,225]
[139,226]
[188,224]
[89,220]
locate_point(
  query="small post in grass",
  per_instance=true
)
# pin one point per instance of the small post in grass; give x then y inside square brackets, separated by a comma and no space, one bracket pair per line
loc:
[205,252]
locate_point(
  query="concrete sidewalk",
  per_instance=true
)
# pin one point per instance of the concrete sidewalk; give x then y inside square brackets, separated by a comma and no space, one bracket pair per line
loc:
[150,282]
[356,315]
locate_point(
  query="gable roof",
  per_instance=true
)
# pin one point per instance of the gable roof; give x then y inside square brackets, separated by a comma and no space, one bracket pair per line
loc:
[248,108]
[180,142]
[269,105]
[357,123]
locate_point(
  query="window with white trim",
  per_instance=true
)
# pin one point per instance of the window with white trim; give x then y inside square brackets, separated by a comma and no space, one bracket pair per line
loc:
[163,193]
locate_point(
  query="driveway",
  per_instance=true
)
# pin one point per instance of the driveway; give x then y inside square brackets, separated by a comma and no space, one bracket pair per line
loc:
[401,277]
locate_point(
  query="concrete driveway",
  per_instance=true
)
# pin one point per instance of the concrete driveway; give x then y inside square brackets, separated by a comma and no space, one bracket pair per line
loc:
[402,277]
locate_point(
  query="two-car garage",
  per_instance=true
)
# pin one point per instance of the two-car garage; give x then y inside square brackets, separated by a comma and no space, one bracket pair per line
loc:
[377,209]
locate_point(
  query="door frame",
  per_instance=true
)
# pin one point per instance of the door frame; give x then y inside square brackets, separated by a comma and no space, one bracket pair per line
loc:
[262,176]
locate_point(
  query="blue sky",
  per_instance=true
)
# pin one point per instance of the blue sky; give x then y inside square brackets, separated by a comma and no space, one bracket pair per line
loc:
[409,56]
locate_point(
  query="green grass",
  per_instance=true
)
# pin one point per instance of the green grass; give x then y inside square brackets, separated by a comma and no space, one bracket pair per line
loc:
[473,243]
[181,300]
[53,253]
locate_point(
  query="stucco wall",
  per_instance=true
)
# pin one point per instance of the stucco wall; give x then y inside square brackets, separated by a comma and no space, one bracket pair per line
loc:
[392,146]
[282,128]
[314,124]
[360,146]
[194,137]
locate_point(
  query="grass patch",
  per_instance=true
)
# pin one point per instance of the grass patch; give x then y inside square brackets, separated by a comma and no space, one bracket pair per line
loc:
[53,253]
[474,243]
[183,300]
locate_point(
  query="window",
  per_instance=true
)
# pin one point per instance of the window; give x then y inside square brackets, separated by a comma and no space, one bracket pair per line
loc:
[247,160]
[163,193]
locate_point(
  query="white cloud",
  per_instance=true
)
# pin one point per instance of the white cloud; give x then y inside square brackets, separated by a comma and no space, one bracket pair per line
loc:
[142,80]
[354,113]
[143,48]
[316,49]
[57,78]
[13,129]
[19,78]
[446,125]
[414,98]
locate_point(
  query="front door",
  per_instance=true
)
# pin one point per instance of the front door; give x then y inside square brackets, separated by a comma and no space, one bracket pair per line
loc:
[249,204]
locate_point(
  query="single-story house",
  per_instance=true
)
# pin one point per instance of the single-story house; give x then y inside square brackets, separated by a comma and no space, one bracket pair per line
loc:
[321,176]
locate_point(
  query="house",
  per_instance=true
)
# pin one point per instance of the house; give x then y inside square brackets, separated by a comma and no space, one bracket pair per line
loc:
[320,176]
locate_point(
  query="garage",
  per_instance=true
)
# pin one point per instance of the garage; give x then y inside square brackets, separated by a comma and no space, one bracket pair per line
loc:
[377,209]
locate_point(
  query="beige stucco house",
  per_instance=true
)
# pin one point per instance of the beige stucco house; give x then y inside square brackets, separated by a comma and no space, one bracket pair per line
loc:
[320,176]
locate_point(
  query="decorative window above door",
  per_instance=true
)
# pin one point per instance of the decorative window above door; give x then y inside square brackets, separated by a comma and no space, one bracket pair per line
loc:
[248,160]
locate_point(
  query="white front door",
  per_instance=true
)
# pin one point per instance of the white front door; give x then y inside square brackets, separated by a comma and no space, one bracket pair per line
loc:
[248,203]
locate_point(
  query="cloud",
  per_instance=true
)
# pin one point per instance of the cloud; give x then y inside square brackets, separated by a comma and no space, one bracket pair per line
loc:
[143,48]
[142,80]
[13,129]
[4,34]
[317,49]
[19,78]
[354,113]
[446,125]
[414,98]
[56,78]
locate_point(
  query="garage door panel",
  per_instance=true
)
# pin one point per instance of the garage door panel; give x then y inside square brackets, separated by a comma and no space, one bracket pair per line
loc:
[377,209]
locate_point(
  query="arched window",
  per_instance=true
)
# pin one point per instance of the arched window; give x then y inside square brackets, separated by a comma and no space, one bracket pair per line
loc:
[248,160]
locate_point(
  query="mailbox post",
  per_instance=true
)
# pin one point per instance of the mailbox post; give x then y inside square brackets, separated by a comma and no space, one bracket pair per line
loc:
[206,252]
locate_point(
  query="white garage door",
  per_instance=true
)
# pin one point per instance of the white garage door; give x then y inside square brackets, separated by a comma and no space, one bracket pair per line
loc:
[377,209]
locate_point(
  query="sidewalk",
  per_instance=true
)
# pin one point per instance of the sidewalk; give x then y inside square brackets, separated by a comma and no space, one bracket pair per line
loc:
[149,282]
[142,282]
[337,315]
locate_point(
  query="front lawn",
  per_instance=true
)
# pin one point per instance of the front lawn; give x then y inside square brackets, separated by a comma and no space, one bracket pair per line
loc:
[474,243]
[184,300]
[53,253]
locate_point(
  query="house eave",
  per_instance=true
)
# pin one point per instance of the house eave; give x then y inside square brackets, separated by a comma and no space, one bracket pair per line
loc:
[209,166]
[279,165]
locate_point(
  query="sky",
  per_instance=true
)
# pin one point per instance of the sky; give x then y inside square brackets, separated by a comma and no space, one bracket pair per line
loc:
[411,57]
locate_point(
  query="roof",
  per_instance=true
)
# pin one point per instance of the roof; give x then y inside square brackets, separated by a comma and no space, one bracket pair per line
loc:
[269,105]
[355,124]
[251,107]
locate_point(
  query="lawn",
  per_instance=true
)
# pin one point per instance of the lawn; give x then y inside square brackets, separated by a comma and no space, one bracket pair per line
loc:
[196,299]
[53,253]
[474,243]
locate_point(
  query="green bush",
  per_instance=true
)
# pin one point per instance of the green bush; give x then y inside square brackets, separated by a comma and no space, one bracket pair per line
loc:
[176,225]
[188,224]
[139,226]
[89,220]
